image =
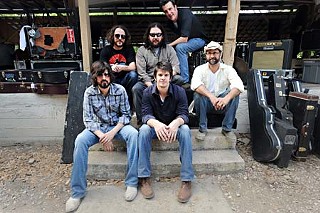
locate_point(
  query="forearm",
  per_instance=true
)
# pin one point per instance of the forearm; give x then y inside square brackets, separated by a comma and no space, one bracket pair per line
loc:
[202,90]
[179,40]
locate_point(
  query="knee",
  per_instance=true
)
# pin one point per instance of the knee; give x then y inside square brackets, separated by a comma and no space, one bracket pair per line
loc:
[133,75]
[144,130]
[180,48]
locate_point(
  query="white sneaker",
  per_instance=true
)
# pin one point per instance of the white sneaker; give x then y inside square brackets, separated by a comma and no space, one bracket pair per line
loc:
[131,193]
[72,204]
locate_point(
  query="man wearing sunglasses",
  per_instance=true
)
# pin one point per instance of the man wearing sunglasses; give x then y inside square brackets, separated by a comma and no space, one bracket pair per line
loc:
[154,50]
[106,116]
[188,28]
[121,56]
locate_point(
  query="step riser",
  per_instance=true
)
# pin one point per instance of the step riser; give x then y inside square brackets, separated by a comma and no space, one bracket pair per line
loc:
[165,164]
[213,141]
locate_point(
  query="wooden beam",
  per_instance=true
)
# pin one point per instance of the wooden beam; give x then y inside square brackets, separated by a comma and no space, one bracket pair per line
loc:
[230,36]
[85,30]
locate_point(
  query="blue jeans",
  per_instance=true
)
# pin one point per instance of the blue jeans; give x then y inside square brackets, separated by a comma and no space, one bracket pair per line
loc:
[183,50]
[147,133]
[128,81]
[80,158]
[203,105]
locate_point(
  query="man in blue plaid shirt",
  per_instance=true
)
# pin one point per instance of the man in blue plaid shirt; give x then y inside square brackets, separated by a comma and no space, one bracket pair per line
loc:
[106,115]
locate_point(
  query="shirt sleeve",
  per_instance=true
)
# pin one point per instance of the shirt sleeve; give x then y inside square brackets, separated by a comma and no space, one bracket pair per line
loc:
[182,107]
[196,80]
[146,109]
[88,115]
[142,65]
[235,80]
[105,54]
[173,59]
[131,55]
[125,115]
[186,22]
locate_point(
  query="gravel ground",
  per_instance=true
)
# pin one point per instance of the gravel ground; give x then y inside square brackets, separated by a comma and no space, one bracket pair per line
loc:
[33,180]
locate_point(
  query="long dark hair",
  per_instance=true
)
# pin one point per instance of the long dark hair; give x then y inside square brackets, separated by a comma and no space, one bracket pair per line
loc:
[147,43]
[110,35]
[97,68]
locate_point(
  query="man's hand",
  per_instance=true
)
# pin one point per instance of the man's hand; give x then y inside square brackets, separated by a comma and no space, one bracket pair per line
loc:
[162,131]
[221,103]
[117,67]
[106,141]
[173,130]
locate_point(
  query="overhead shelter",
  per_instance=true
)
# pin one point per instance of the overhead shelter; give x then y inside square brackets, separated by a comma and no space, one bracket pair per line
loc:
[272,19]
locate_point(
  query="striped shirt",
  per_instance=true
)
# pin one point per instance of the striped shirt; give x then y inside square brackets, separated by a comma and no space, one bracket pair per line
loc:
[101,112]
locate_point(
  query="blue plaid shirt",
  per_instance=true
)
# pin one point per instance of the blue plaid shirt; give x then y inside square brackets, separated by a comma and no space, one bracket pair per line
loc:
[100,112]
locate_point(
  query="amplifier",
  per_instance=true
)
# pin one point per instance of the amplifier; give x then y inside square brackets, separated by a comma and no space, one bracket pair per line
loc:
[271,55]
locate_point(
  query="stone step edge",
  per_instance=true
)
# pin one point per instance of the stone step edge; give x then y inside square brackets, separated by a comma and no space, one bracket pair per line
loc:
[104,166]
[214,140]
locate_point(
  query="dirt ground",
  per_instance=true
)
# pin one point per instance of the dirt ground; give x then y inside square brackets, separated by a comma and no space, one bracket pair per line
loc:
[33,180]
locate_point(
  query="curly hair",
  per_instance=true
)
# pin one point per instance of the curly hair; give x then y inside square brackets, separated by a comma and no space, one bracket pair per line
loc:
[110,35]
[147,43]
[97,68]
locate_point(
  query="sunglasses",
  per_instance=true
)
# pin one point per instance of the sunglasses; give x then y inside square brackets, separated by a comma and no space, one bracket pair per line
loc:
[120,36]
[105,74]
[155,34]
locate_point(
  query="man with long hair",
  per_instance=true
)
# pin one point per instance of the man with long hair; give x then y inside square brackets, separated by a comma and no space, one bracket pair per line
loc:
[121,56]
[154,50]
[106,116]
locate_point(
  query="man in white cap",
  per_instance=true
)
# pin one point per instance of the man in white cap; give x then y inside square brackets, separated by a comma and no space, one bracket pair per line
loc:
[217,87]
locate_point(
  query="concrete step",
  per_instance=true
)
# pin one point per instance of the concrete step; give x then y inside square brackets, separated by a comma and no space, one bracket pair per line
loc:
[214,140]
[112,165]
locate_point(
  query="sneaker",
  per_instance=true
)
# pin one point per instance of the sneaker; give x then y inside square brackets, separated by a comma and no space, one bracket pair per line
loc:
[131,193]
[72,204]
[184,192]
[201,136]
[227,133]
[146,188]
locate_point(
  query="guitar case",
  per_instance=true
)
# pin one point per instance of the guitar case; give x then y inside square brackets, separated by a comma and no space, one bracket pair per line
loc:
[266,144]
[41,88]
[304,109]
[16,87]
[16,76]
[59,75]
[316,134]
[79,81]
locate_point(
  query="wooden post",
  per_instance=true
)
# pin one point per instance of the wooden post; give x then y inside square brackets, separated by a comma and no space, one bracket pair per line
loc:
[230,36]
[85,30]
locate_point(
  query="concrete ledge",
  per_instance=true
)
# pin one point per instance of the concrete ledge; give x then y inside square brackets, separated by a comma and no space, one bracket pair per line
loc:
[214,140]
[112,165]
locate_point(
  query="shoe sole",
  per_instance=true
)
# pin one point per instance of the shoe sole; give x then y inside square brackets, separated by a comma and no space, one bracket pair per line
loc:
[148,197]
[183,201]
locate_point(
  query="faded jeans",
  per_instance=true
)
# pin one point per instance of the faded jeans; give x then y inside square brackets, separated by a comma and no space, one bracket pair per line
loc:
[147,133]
[87,139]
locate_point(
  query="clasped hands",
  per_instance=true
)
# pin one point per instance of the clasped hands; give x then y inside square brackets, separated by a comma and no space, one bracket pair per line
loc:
[117,67]
[106,141]
[219,103]
[166,133]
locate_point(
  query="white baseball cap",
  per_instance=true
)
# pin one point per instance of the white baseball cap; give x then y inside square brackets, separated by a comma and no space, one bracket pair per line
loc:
[212,46]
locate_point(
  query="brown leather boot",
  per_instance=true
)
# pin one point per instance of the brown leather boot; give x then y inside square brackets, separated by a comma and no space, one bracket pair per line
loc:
[146,188]
[184,192]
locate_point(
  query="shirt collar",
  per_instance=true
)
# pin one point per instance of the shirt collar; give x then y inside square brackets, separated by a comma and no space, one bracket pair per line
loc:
[155,90]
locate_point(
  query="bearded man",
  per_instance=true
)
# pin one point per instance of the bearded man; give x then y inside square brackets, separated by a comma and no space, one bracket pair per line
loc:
[154,50]
[217,87]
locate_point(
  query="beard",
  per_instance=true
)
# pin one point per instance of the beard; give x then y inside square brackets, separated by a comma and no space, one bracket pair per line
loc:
[155,44]
[104,84]
[213,61]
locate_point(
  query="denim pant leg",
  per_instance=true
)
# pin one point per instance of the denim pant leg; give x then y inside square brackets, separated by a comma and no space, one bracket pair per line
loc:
[202,105]
[182,50]
[230,114]
[185,147]
[80,162]
[137,92]
[128,81]
[146,134]
[129,135]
